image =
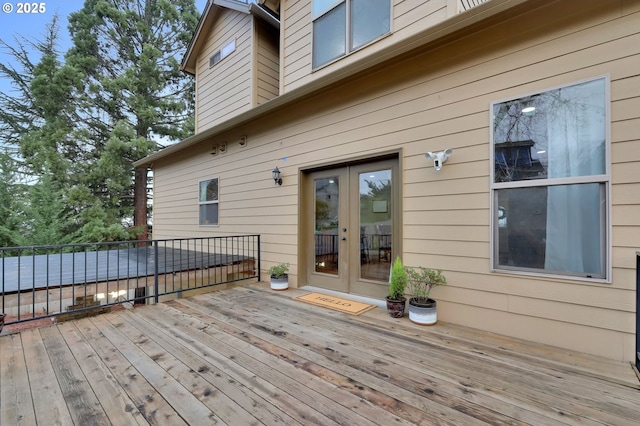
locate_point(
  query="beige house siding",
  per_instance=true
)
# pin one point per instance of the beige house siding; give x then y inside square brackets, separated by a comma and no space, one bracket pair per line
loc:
[224,90]
[429,101]
[267,59]
[409,17]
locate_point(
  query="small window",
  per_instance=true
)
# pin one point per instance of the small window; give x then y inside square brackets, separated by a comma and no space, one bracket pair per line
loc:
[341,27]
[208,202]
[550,182]
[226,50]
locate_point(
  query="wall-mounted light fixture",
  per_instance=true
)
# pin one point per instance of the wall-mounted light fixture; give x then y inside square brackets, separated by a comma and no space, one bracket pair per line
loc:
[439,158]
[276,176]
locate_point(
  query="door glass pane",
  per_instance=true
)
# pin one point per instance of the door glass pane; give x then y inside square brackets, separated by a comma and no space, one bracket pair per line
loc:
[376,232]
[327,226]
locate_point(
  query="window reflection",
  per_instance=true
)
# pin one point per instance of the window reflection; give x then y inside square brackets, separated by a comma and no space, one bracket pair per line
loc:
[375,225]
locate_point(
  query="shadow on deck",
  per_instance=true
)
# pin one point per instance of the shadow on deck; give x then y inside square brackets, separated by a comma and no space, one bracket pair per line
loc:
[248,355]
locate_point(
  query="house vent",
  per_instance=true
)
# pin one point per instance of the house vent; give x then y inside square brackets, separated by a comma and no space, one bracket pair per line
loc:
[464,5]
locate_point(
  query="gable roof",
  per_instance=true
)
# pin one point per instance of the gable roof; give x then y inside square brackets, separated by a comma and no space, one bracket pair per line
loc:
[486,13]
[211,11]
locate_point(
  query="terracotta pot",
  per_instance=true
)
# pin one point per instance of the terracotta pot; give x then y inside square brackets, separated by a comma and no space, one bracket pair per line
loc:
[423,313]
[396,307]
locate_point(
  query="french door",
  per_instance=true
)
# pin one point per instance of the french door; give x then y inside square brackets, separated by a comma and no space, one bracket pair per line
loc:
[352,227]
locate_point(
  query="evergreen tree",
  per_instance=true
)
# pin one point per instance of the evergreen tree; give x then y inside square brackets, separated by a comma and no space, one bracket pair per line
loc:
[40,157]
[10,201]
[36,120]
[47,220]
[133,95]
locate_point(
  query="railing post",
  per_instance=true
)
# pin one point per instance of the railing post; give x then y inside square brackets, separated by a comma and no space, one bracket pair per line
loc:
[259,268]
[637,310]
[156,278]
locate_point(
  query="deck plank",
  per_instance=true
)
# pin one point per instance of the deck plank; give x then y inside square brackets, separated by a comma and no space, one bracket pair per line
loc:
[212,370]
[113,400]
[184,370]
[188,407]
[250,367]
[82,402]
[16,407]
[349,351]
[248,355]
[142,395]
[48,398]
[377,363]
[518,375]
[395,400]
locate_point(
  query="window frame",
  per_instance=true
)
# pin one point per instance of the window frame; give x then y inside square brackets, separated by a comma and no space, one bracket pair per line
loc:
[201,203]
[348,40]
[603,179]
[223,52]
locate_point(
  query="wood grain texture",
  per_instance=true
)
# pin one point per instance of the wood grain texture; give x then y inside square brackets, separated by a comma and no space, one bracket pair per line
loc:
[251,356]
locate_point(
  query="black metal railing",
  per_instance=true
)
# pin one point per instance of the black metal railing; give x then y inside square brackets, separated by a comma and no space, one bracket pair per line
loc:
[65,281]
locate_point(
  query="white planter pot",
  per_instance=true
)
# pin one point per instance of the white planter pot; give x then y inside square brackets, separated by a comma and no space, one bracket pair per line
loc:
[281,283]
[423,313]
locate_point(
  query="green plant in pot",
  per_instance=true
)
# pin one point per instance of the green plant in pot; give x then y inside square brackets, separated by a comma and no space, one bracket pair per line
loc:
[279,276]
[397,285]
[422,308]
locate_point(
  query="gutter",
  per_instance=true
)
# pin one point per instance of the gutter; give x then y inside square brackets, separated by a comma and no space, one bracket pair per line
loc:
[429,35]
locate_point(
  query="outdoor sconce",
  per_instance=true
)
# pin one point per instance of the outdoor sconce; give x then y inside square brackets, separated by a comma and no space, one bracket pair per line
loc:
[276,176]
[439,158]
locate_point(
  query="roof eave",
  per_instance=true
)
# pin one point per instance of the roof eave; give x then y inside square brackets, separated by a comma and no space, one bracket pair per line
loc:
[188,64]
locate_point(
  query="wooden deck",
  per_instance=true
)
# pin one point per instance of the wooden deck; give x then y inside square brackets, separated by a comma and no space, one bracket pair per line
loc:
[248,355]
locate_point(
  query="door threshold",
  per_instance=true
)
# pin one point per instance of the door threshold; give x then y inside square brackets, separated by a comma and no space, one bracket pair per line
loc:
[379,303]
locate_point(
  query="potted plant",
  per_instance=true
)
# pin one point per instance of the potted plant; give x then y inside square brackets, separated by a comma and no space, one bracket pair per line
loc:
[279,276]
[397,284]
[422,309]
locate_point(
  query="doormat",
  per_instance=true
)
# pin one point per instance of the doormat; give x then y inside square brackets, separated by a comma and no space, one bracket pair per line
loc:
[336,303]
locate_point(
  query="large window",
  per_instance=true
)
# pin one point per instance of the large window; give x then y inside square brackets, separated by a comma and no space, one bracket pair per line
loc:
[340,27]
[208,201]
[550,181]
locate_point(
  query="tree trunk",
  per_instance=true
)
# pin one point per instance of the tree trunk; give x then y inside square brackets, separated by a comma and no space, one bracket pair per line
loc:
[140,202]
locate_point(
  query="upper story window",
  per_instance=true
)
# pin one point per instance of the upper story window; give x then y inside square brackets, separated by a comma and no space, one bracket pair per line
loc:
[342,26]
[208,201]
[226,50]
[550,186]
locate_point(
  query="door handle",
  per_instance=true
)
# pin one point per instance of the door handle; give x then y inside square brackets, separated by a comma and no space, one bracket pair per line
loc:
[344,229]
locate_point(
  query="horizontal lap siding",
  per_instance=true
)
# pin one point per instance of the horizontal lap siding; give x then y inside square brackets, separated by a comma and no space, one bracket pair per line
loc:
[224,90]
[268,63]
[432,101]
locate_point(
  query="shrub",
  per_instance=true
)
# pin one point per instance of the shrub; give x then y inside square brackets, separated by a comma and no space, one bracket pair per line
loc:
[422,280]
[398,281]
[279,271]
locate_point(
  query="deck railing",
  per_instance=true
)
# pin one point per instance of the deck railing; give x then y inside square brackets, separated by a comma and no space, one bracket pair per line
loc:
[66,281]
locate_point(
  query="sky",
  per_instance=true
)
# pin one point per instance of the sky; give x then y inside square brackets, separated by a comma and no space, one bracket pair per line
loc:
[14,21]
